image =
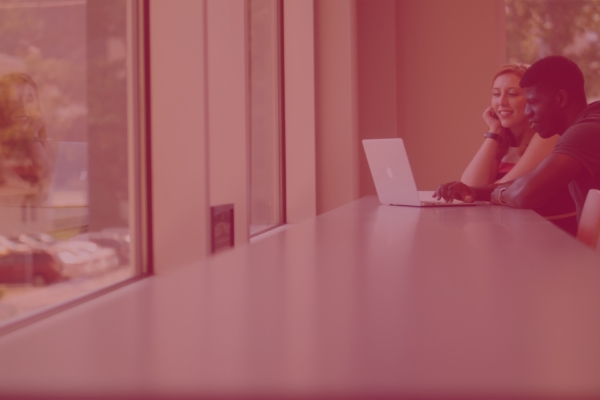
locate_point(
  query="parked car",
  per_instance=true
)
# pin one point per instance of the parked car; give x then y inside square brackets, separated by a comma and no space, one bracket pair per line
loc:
[33,266]
[76,257]
[80,257]
[37,240]
[14,244]
[118,240]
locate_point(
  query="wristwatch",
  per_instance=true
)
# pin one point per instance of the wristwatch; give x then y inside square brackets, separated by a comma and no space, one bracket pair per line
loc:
[495,136]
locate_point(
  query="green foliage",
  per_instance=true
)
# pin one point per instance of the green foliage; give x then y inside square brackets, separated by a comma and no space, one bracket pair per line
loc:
[48,44]
[538,28]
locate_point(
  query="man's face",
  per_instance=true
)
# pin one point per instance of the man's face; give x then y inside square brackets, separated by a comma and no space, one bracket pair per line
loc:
[543,111]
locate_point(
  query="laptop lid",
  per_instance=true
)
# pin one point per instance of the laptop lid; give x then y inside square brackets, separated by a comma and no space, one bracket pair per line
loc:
[391,171]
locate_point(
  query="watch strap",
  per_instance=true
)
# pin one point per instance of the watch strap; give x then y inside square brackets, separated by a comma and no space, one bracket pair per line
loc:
[495,136]
[500,199]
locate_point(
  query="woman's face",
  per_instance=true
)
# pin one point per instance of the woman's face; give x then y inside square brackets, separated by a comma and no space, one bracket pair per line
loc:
[23,109]
[508,101]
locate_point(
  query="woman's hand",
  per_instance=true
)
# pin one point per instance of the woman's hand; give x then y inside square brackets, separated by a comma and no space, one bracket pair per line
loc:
[491,119]
[455,191]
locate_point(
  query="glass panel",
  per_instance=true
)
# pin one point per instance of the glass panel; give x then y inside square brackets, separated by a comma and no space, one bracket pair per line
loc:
[67,102]
[265,116]
[538,28]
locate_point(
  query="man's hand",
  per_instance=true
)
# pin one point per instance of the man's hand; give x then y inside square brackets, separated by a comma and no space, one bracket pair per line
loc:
[455,191]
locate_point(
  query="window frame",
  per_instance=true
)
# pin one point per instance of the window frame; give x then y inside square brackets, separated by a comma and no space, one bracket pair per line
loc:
[282,220]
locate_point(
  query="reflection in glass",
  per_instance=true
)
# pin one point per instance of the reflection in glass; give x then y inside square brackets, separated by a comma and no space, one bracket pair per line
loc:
[265,115]
[65,124]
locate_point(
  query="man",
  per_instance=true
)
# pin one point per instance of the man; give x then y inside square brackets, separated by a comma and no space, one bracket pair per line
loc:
[556,105]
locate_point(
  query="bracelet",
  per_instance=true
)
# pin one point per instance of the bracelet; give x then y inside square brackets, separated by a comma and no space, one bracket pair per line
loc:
[500,199]
[495,136]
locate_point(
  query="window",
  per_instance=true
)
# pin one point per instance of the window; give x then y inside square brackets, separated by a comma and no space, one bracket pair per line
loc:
[69,151]
[266,183]
[538,28]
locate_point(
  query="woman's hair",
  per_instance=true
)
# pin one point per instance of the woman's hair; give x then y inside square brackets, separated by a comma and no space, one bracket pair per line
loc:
[518,70]
[8,80]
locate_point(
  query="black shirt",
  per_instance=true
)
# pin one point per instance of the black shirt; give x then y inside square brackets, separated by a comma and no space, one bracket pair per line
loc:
[582,142]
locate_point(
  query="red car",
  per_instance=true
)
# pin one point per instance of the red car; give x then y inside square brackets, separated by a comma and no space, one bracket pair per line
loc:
[36,267]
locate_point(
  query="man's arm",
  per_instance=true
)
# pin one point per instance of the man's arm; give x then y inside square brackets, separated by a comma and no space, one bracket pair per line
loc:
[531,190]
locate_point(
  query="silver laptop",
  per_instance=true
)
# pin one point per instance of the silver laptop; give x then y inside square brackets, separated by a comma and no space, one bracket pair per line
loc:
[393,176]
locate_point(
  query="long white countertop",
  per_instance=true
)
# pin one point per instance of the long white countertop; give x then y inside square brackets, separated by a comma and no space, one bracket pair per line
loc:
[363,301]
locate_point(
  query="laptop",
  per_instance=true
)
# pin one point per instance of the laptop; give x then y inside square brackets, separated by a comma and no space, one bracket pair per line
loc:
[393,176]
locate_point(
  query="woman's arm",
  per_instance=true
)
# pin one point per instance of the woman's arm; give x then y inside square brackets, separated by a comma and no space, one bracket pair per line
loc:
[483,167]
[537,150]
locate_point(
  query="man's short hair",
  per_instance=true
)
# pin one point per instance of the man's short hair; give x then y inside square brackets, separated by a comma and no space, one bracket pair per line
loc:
[555,73]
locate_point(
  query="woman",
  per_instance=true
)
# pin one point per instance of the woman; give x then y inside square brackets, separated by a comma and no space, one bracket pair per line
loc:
[511,149]
[24,161]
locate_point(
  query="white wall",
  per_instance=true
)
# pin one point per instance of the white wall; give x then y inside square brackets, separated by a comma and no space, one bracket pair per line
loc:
[228,117]
[299,113]
[416,69]
[199,123]
[376,68]
[420,70]
[179,173]
[447,53]
[337,143]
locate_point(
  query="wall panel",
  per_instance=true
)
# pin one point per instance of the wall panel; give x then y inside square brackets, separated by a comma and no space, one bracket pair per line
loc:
[299,112]
[337,141]
[376,66]
[446,55]
[228,109]
[178,136]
